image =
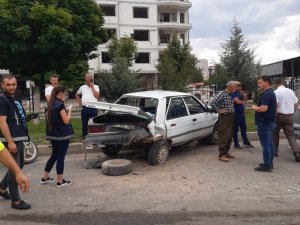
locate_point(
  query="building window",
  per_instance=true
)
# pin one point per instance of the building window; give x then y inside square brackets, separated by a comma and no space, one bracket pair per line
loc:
[181,17]
[182,38]
[141,35]
[110,32]
[165,38]
[108,10]
[105,57]
[142,57]
[139,12]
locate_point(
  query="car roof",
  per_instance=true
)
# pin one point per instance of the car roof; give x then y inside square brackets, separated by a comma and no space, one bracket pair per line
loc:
[159,94]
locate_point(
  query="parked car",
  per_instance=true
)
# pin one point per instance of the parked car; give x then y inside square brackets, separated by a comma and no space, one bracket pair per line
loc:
[157,120]
[297,130]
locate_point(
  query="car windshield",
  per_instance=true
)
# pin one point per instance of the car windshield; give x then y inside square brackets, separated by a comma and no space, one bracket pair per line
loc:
[148,105]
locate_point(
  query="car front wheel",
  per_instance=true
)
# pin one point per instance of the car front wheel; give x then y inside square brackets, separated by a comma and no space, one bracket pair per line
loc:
[158,153]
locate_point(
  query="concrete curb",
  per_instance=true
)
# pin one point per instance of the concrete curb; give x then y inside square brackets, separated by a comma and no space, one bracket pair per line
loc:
[77,148]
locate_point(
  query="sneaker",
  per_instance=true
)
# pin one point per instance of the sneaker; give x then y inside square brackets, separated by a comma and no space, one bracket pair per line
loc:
[263,169]
[262,165]
[46,181]
[248,145]
[238,147]
[89,147]
[63,183]
[20,205]
[5,195]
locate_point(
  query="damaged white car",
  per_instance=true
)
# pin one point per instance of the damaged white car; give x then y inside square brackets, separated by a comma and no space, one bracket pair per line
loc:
[154,120]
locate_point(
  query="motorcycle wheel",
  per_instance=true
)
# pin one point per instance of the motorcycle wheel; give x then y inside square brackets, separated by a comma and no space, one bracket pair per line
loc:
[30,152]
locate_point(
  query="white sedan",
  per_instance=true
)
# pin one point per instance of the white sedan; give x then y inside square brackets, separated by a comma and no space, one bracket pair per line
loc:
[158,120]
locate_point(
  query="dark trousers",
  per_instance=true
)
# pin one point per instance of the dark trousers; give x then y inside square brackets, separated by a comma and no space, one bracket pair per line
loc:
[9,179]
[286,122]
[86,114]
[59,151]
[240,122]
[225,131]
[265,132]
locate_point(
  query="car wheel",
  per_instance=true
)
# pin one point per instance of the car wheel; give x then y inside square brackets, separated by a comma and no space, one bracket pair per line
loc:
[213,138]
[297,156]
[158,153]
[111,150]
[116,167]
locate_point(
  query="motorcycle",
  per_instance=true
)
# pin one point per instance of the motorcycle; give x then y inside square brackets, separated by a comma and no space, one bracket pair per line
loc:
[30,148]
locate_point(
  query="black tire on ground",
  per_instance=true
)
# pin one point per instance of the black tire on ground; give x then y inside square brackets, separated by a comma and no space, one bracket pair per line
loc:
[158,152]
[111,150]
[213,138]
[30,152]
[116,167]
[297,156]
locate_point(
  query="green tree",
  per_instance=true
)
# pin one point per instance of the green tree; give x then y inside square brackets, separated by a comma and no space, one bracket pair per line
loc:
[121,79]
[237,61]
[38,36]
[177,66]
[118,81]
[124,48]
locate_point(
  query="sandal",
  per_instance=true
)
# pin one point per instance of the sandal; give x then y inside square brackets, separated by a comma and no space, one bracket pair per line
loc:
[5,195]
[20,205]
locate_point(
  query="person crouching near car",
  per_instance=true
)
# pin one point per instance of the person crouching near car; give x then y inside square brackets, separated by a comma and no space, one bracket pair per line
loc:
[223,104]
[59,131]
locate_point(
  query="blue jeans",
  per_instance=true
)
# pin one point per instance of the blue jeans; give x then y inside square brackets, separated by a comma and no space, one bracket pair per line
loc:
[240,122]
[9,180]
[86,114]
[59,151]
[265,132]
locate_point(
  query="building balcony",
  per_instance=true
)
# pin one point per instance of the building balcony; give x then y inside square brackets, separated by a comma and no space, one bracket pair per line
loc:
[174,4]
[174,26]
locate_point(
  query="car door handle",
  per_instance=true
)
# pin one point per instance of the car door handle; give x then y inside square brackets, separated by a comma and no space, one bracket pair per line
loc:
[194,120]
[173,124]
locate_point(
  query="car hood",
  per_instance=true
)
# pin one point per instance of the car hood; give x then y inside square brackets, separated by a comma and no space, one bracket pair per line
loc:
[118,108]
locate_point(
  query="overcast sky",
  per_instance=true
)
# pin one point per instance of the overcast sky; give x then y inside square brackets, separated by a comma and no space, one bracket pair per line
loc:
[269,26]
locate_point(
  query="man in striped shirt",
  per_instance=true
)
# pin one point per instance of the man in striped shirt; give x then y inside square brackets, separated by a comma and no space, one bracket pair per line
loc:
[223,104]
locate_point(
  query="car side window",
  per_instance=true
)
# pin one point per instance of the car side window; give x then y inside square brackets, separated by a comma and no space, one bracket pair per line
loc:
[194,106]
[176,109]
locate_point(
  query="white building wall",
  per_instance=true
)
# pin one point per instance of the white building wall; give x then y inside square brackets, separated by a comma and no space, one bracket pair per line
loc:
[125,24]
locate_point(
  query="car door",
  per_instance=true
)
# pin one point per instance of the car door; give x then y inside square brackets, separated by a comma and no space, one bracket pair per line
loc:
[203,121]
[179,124]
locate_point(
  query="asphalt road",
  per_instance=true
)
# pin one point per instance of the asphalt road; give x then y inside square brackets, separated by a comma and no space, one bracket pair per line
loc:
[192,187]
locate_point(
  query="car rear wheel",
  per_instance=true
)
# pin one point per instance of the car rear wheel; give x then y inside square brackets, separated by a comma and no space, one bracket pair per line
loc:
[158,153]
[111,150]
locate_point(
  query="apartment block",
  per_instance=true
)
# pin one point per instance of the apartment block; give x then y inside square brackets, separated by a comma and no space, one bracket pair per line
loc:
[151,23]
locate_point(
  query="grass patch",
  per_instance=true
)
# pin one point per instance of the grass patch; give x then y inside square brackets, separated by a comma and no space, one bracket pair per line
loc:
[250,120]
[37,132]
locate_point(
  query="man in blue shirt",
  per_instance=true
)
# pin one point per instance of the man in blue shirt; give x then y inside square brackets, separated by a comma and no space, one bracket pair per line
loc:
[265,120]
[239,98]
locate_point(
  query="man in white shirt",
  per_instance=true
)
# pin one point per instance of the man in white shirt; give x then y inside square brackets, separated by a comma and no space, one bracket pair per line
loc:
[89,92]
[287,102]
[54,83]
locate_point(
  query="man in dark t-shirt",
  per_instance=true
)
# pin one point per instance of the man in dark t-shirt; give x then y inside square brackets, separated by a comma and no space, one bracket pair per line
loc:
[265,120]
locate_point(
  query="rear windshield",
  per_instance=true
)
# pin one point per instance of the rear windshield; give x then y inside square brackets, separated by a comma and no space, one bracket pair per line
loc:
[148,105]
